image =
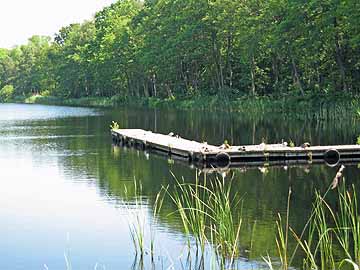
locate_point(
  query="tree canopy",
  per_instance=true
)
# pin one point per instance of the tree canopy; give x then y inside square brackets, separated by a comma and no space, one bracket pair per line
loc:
[177,48]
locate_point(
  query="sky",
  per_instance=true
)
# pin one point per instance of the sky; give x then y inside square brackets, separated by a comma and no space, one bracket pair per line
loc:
[21,19]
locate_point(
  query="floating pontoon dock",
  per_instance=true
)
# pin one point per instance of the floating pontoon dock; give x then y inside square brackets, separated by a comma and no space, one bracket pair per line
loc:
[226,156]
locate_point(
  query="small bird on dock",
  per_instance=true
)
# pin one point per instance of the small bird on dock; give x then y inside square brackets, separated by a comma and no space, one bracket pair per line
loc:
[242,148]
[204,147]
[225,145]
[305,145]
[172,134]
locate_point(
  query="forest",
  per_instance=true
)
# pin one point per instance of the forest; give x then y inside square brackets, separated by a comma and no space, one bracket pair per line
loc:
[184,48]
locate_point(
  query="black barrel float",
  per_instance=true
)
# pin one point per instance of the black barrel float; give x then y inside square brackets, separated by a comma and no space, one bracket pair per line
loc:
[332,157]
[222,160]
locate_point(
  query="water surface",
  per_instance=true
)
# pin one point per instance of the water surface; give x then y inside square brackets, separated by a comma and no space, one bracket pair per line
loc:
[66,193]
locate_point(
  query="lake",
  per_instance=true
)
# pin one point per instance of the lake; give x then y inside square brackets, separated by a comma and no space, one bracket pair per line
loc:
[67,194]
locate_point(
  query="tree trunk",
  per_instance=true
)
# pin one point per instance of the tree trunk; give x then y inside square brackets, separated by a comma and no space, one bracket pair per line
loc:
[340,63]
[275,68]
[184,75]
[252,73]
[195,79]
[339,58]
[128,84]
[86,86]
[145,87]
[136,86]
[221,72]
[296,76]
[169,92]
[228,60]
[154,85]
[217,58]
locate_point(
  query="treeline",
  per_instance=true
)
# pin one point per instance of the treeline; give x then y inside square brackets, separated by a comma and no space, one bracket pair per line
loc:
[177,48]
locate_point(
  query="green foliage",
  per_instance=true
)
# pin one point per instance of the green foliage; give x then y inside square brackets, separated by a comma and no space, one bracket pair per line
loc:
[6,93]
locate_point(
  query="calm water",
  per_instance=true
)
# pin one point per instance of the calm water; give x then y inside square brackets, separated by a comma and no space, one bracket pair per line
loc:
[63,186]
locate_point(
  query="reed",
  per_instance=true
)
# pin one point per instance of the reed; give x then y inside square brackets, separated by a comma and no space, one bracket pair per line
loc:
[206,209]
[268,262]
[330,228]
[156,209]
[191,205]
[283,236]
[136,223]
[324,234]
[330,238]
[332,233]
[226,225]
[348,224]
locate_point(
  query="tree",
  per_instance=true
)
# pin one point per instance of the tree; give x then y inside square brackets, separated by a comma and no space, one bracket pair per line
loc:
[6,93]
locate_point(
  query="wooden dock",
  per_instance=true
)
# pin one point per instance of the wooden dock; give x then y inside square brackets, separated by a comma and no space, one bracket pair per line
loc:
[227,156]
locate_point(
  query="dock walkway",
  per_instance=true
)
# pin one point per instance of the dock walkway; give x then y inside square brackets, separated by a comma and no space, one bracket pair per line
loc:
[226,155]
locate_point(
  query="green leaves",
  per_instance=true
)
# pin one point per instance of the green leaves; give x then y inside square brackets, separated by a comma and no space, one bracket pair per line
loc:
[6,93]
[174,48]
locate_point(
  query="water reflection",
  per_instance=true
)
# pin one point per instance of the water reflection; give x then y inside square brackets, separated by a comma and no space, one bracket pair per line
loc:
[63,185]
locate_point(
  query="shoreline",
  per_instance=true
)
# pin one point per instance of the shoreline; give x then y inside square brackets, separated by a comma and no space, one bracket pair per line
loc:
[328,106]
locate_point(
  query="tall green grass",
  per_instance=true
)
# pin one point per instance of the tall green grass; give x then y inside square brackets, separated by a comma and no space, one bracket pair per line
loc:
[348,224]
[211,218]
[190,202]
[159,200]
[333,236]
[136,205]
[207,213]
[282,237]
[330,237]
[136,222]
